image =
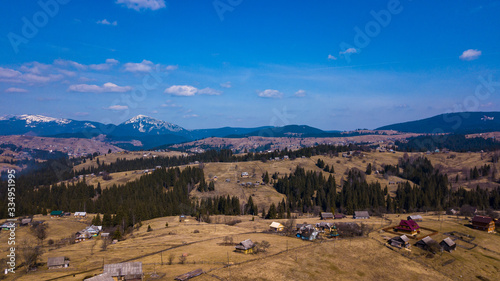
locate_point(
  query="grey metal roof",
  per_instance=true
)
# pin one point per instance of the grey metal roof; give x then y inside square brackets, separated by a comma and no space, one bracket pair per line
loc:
[101,277]
[361,214]
[245,245]
[56,261]
[326,215]
[123,269]
[448,241]
[416,217]
[427,240]
[405,238]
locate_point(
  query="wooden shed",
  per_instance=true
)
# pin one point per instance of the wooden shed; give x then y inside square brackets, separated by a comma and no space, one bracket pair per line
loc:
[326,216]
[400,241]
[129,271]
[56,214]
[57,262]
[429,244]
[361,215]
[448,245]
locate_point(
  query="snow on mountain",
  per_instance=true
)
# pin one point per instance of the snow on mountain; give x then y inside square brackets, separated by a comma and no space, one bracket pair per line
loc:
[144,124]
[32,120]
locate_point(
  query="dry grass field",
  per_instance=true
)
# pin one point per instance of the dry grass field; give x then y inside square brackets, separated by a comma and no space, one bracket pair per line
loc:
[128,155]
[365,258]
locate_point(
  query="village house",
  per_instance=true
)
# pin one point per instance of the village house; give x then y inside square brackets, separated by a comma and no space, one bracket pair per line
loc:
[57,262]
[415,218]
[82,236]
[245,247]
[101,277]
[483,223]
[448,245]
[428,244]
[276,227]
[126,271]
[56,214]
[408,226]
[361,215]
[326,216]
[244,175]
[308,232]
[80,214]
[338,216]
[400,242]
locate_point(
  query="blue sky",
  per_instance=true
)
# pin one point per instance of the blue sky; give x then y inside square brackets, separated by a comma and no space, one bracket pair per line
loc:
[336,65]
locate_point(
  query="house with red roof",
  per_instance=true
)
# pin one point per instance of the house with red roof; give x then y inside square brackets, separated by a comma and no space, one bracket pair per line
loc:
[483,223]
[410,226]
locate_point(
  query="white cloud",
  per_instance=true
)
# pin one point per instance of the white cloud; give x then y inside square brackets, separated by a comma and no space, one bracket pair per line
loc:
[190,116]
[171,67]
[330,57]
[209,91]
[181,90]
[269,93]
[300,93]
[106,88]
[106,22]
[33,78]
[139,5]
[9,73]
[226,85]
[104,66]
[71,63]
[16,90]
[34,67]
[117,107]
[143,66]
[349,51]
[169,103]
[470,54]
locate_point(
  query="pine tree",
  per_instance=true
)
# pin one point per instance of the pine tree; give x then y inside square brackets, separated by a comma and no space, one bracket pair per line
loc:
[369,169]
[271,213]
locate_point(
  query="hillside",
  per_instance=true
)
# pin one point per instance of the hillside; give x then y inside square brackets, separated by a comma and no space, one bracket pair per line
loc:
[463,122]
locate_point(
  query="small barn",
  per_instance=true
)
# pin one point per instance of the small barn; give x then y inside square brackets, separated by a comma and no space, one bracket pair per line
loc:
[361,215]
[428,244]
[483,223]
[415,218]
[245,247]
[409,226]
[326,216]
[129,271]
[57,262]
[400,241]
[101,277]
[276,227]
[339,216]
[244,175]
[448,245]
[189,275]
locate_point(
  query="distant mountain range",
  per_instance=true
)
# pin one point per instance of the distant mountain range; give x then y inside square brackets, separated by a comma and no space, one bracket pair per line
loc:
[152,132]
[460,123]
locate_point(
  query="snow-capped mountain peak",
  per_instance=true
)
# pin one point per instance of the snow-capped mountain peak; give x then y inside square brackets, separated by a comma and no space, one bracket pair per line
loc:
[146,124]
[32,120]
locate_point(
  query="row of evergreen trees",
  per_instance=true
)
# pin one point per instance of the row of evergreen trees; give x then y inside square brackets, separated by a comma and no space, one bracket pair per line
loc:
[426,189]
